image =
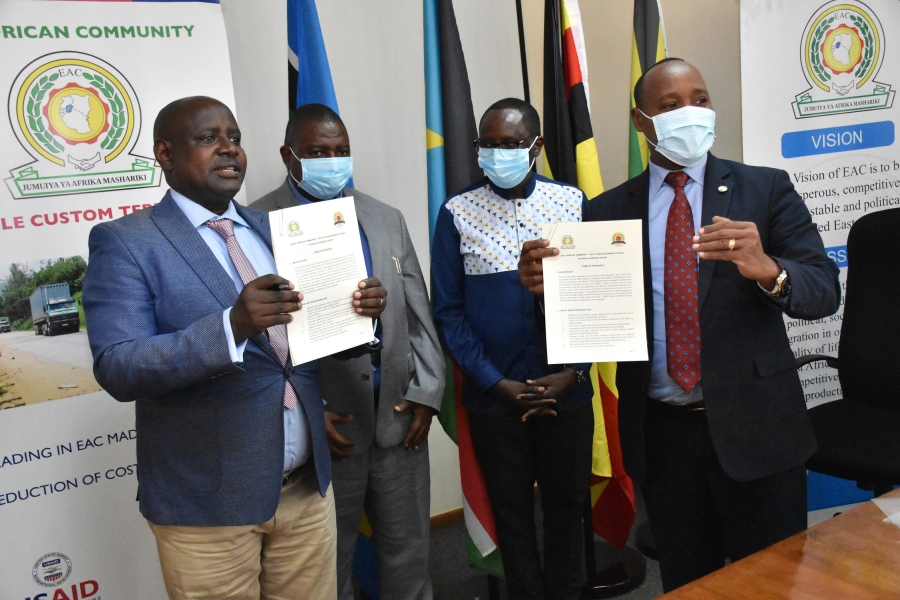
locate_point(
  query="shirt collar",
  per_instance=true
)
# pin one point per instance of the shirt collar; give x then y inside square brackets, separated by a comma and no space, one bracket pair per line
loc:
[658,174]
[303,199]
[199,215]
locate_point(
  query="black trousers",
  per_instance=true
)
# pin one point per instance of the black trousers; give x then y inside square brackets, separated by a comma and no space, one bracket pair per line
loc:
[699,515]
[555,452]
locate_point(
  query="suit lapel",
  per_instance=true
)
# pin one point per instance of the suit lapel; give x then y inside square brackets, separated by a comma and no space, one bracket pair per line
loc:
[640,205]
[715,204]
[175,226]
[368,220]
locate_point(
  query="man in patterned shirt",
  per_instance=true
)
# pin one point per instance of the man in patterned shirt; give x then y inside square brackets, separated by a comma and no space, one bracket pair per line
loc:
[530,421]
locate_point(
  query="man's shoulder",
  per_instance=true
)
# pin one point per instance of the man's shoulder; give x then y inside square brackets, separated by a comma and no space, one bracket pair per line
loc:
[744,171]
[280,197]
[371,203]
[466,192]
[540,180]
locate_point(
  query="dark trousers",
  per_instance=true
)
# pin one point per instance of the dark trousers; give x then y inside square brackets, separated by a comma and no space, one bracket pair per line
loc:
[555,452]
[699,515]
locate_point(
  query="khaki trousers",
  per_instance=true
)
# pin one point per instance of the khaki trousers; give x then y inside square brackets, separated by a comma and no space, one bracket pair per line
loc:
[292,556]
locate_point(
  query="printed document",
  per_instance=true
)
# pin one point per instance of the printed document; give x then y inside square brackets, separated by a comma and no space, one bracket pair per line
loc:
[594,292]
[317,247]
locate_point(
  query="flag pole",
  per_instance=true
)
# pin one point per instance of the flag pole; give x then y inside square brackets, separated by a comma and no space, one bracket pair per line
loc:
[522,54]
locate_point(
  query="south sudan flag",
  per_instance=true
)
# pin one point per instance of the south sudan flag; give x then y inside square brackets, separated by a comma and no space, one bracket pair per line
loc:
[571,156]
[452,165]
[648,47]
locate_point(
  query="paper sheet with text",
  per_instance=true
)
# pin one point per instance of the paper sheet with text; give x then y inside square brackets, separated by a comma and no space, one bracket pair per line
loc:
[317,247]
[594,292]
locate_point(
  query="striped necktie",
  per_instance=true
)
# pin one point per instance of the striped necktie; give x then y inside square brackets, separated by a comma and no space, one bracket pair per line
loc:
[277,334]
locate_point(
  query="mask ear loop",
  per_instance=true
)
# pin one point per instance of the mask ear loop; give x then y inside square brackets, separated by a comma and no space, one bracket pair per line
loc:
[299,160]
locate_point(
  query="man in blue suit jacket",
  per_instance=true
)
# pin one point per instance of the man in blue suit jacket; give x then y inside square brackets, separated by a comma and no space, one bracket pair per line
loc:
[233,477]
[720,456]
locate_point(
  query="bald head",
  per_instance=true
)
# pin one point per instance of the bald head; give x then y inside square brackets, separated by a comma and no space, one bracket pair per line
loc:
[198,145]
[174,116]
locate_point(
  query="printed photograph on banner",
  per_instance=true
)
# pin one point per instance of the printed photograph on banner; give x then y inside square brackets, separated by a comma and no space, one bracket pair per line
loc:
[818,102]
[44,351]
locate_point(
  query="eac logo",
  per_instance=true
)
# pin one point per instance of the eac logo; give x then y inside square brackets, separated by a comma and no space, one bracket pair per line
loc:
[86,590]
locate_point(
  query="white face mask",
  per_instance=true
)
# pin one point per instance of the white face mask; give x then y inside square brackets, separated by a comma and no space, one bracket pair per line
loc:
[684,136]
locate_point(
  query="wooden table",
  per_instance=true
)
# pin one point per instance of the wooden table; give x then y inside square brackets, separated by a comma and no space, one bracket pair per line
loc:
[855,556]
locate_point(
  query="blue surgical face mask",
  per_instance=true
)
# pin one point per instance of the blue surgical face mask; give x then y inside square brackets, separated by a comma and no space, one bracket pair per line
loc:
[324,178]
[507,172]
[684,136]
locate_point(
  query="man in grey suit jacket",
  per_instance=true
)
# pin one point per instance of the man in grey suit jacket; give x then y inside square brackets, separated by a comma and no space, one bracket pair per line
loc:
[379,407]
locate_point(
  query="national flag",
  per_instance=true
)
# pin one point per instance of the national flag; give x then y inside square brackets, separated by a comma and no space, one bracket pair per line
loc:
[570,155]
[648,47]
[309,82]
[309,76]
[452,165]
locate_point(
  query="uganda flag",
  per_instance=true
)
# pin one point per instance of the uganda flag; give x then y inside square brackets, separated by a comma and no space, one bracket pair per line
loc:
[570,156]
[648,47]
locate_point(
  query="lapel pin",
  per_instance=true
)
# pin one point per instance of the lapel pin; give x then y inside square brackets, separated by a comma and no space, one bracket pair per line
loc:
[723,189]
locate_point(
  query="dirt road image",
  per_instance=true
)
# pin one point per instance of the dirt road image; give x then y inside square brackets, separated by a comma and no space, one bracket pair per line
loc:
[38,369]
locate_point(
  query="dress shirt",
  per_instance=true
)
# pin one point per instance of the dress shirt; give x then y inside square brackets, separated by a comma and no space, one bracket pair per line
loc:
[663,387]
[297,440]
[367,256]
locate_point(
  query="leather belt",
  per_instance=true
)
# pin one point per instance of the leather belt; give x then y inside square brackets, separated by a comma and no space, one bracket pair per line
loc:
[698,406]
[305,467]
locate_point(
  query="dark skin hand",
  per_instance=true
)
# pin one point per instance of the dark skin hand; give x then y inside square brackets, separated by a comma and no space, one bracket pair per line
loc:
[338,444]
[263,303]
[421,422]
[532,398]
[371,299]
[418,429]
[747,253]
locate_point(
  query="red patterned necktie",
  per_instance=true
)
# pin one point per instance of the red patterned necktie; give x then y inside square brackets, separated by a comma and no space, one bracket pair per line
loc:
[681,290]
[277,334]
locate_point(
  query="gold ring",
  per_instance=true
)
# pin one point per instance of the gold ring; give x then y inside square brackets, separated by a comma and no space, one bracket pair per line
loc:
[381,302]
[731,245]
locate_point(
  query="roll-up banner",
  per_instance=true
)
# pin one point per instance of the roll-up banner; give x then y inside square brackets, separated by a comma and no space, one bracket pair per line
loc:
[818,85]
[82,82]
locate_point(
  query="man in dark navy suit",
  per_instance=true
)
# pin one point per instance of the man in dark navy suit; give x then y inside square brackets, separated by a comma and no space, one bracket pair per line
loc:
[714,426]
[187,319]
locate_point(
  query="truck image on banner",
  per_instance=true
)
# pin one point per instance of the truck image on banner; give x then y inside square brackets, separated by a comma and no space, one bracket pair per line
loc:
[53,310]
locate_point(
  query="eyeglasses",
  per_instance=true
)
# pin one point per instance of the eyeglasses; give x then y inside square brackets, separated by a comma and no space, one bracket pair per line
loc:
[506,149]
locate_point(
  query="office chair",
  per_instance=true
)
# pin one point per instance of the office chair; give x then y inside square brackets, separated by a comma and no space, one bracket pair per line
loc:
[859,436]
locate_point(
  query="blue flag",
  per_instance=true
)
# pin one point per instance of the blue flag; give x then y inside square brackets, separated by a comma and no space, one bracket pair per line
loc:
[309,76]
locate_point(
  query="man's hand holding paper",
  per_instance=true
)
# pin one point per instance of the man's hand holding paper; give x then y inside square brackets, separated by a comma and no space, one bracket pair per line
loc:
[591,277]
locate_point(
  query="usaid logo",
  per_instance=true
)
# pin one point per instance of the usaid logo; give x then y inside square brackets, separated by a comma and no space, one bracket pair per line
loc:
[52,569]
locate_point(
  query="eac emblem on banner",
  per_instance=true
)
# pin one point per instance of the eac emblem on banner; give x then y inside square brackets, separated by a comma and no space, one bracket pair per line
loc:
[78,117]
[841,51]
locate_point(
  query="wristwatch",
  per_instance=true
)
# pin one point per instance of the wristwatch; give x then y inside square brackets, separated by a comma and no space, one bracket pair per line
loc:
[782,284]
[580,375]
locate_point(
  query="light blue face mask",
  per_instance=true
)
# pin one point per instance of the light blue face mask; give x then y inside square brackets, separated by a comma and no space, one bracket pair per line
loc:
[507,172]
[324,178]
[684,136]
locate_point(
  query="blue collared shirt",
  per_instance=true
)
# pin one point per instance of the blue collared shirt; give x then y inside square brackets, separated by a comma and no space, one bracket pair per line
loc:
[297,437]
[367,256]
[663,387]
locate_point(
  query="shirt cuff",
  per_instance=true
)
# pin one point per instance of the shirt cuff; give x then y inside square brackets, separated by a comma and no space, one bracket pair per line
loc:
[235,351]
